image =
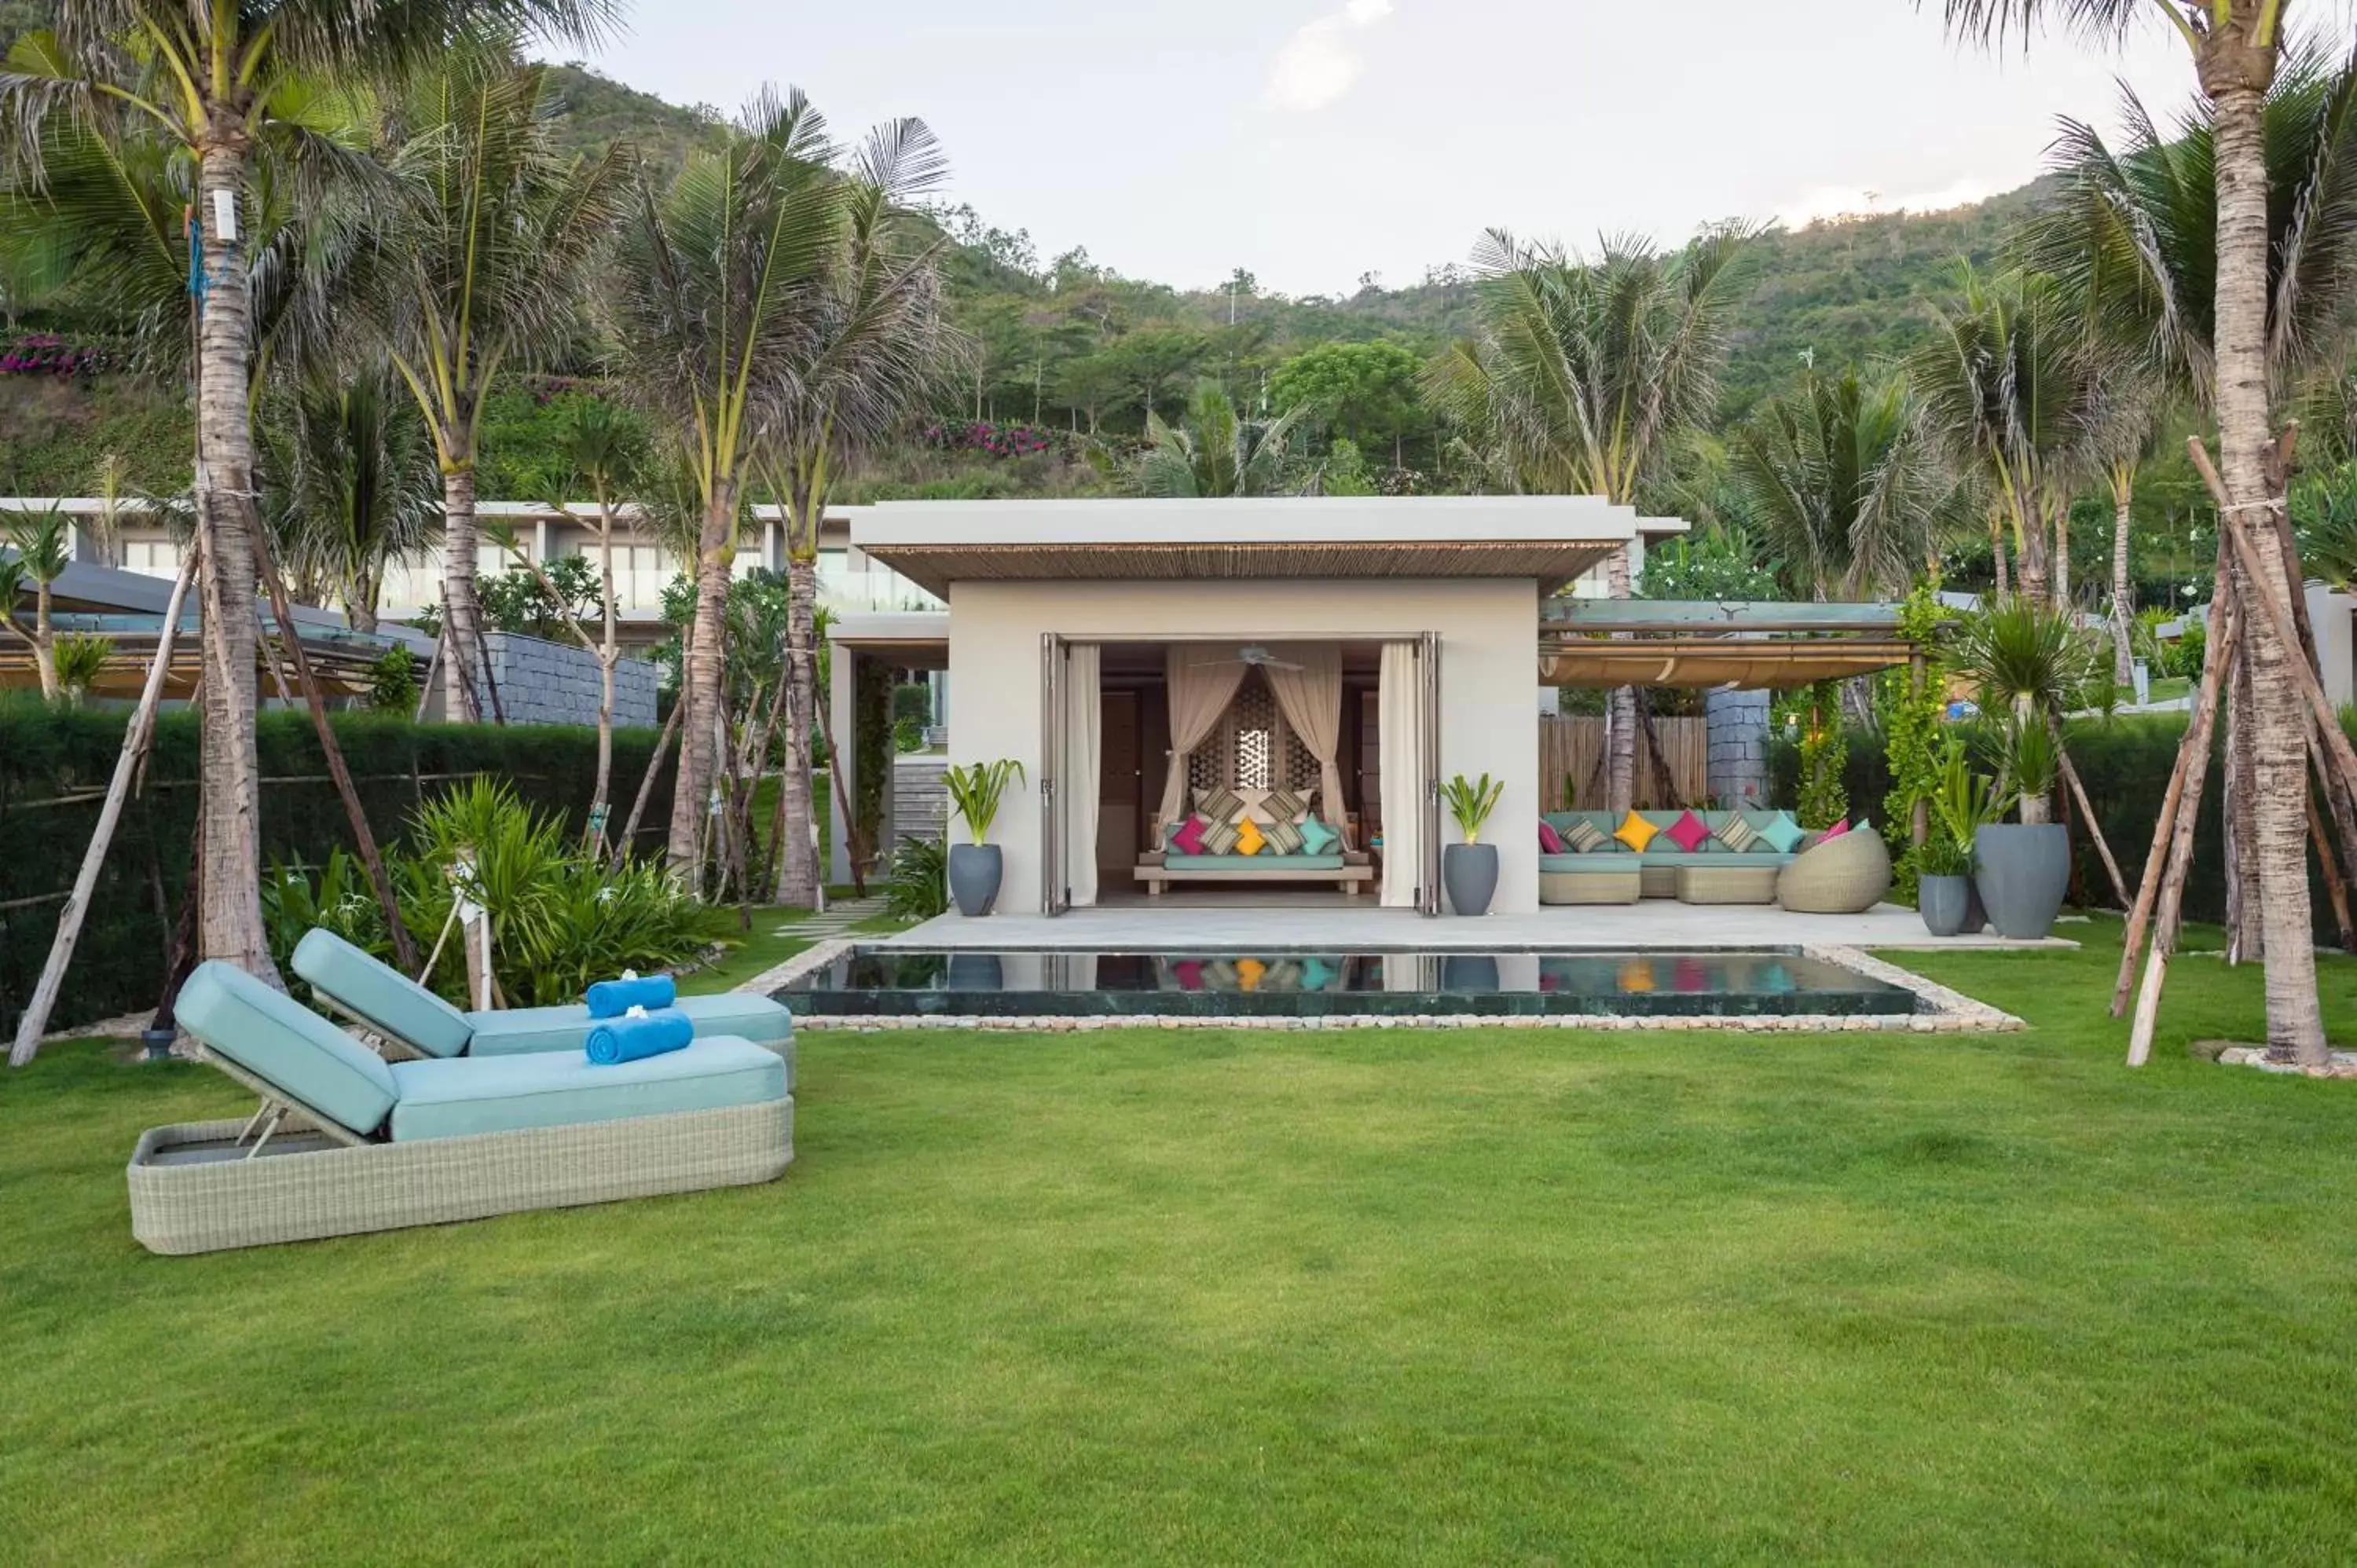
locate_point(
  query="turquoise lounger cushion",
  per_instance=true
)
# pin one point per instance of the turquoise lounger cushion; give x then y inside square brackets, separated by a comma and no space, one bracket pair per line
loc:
[1275,865]
[518,1030]
[282,1042]
[563,1089]
[380,996]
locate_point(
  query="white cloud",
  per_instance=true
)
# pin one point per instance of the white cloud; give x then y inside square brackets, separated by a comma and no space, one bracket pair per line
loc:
[1317,65]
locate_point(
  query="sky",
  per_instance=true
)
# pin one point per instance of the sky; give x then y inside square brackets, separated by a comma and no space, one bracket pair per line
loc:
[1312,141]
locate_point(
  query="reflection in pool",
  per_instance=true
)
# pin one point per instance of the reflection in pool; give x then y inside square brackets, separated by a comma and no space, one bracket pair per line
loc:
[887,981]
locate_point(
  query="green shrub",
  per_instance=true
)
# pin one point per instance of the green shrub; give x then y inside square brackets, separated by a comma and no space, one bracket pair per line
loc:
[393,683]
[920,886]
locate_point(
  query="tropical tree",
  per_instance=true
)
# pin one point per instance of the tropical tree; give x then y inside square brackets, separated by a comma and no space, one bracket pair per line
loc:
[215,87]
[348,487]
[483,266]
[1585,375]
[43,551]
[1839,477]
[712,272]
[2237,50]
[2012,388]
[869,344]
[1369,395]
[605,449]
[1217,452]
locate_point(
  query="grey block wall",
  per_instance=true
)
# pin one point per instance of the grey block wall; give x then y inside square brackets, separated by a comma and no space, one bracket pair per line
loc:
[1739,747]
[556,684]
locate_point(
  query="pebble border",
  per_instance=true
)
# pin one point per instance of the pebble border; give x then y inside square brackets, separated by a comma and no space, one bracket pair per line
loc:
[1947,1012]
[2342,1066]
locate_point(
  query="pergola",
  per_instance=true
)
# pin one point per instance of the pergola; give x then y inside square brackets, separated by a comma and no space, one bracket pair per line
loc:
[1606,643]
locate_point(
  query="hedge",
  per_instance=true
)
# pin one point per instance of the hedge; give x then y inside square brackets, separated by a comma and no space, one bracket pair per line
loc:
[2126,763]
[54,769]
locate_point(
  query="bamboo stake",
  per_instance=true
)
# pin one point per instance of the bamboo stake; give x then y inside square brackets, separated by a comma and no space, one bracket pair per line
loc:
[646,787]
[404,947]
[35,1017]
[425,687]
[2334,887]
[2094,828]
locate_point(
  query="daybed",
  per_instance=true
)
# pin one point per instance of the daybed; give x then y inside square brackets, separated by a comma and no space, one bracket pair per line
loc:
[1344,868]
[345,1142]
[412,1019]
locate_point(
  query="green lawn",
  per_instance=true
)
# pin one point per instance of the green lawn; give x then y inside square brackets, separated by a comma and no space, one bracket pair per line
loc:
[1381,1296]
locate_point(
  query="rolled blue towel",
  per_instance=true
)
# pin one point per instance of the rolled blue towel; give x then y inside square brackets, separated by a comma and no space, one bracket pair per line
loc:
[614,998]
[616,1040]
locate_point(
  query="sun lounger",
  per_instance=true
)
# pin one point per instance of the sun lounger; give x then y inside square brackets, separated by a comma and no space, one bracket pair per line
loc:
[407,1014]
[347,1142]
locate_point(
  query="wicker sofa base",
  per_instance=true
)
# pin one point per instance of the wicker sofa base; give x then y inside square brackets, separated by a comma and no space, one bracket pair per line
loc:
[192,1192]
[1562,887]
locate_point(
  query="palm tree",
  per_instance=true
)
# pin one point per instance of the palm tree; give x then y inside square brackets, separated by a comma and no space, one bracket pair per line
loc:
[483,267]
[215,85]
[712,272]
[606,450]
[2011,387]
[1586,374]
[871,342]
[1838,475]
[43,553]
[2237,49]
[348,487]
[1218,452]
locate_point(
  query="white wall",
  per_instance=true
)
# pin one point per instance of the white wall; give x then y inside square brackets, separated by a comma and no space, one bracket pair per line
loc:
[2334,615]
[1489,672]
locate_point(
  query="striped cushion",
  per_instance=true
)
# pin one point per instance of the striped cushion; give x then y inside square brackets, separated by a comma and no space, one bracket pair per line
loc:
[1739,835]
[1282,837]
[1221,806]
[1284,806]
[1220,839]
[1585,837]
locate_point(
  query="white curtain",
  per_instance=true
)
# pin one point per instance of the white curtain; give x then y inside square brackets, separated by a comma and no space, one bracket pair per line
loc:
[1203,677]
[1401,721]
[1083,770]
[1310,698]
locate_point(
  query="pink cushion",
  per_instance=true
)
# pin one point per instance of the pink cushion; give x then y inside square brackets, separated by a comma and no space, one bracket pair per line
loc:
[1189,839]
[1550,841]
[1834,832]
[1688,832]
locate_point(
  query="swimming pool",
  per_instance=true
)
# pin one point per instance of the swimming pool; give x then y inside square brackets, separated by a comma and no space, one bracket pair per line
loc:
[903,983]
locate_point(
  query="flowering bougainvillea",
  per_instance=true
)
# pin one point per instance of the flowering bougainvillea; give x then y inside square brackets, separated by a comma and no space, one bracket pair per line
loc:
[983,436]
[45,354]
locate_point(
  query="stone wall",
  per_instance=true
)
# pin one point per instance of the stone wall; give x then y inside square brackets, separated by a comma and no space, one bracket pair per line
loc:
[556,684]
[1739,747]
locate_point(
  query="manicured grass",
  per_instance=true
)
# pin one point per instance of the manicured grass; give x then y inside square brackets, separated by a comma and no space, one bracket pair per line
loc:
[1381,1296]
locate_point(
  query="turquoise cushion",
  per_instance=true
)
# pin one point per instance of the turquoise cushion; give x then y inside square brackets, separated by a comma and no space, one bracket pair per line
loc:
[1561,865]
[380,996]
[1316,838]
[1274,864]
[520,1031]
[564,1089]
[284,1043]
[1779,829]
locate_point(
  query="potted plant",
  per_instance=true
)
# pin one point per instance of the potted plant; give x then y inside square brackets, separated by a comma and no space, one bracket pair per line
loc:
[2023,869]
[975,869]
[1962,804]
[1469,870]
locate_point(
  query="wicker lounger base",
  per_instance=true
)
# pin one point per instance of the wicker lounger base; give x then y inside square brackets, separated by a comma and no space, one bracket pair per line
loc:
[185,1197]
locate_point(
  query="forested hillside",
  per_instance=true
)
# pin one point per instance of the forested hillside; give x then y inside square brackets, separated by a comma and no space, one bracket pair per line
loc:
[1059,343]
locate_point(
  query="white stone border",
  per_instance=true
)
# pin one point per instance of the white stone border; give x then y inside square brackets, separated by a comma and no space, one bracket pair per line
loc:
[1951,1012]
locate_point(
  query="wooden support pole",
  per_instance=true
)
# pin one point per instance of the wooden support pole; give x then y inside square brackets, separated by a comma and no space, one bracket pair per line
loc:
[2094,828]
[851,833]
[44,1000]
[379,881]
[646,787]
[2336,887]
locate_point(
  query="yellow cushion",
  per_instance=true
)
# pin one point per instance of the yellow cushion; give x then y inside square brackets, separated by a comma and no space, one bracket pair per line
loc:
[1249,840]
[1636,833]
[1249,972]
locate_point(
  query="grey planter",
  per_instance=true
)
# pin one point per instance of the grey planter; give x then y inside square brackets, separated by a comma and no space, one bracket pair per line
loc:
[2023,873]
[975,873]
[1470,872]
[1975,914]
[1943,902]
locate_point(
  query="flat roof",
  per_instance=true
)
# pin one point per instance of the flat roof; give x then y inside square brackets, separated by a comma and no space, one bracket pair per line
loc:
[1550,539]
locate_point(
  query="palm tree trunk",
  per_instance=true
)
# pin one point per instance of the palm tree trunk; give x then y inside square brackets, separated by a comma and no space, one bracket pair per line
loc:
[2032,563]
[462,613]
[700,686]
[2123,607]
[1997,554]
[1621,739]
[609,651]
[2059,567]
[2279,751]
[798,885]
[228,525]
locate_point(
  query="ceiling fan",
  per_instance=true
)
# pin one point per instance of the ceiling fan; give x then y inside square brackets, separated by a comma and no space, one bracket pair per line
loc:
[1258,656]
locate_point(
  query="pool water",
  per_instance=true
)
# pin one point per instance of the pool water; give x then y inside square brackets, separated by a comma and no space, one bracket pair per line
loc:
[889,982]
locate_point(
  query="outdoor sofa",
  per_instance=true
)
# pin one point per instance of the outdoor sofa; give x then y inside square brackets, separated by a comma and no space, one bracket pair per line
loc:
[417,1022]
[347,1142]
[1567,878]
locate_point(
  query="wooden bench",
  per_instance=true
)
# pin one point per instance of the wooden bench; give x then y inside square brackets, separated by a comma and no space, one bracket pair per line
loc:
[1349,878]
